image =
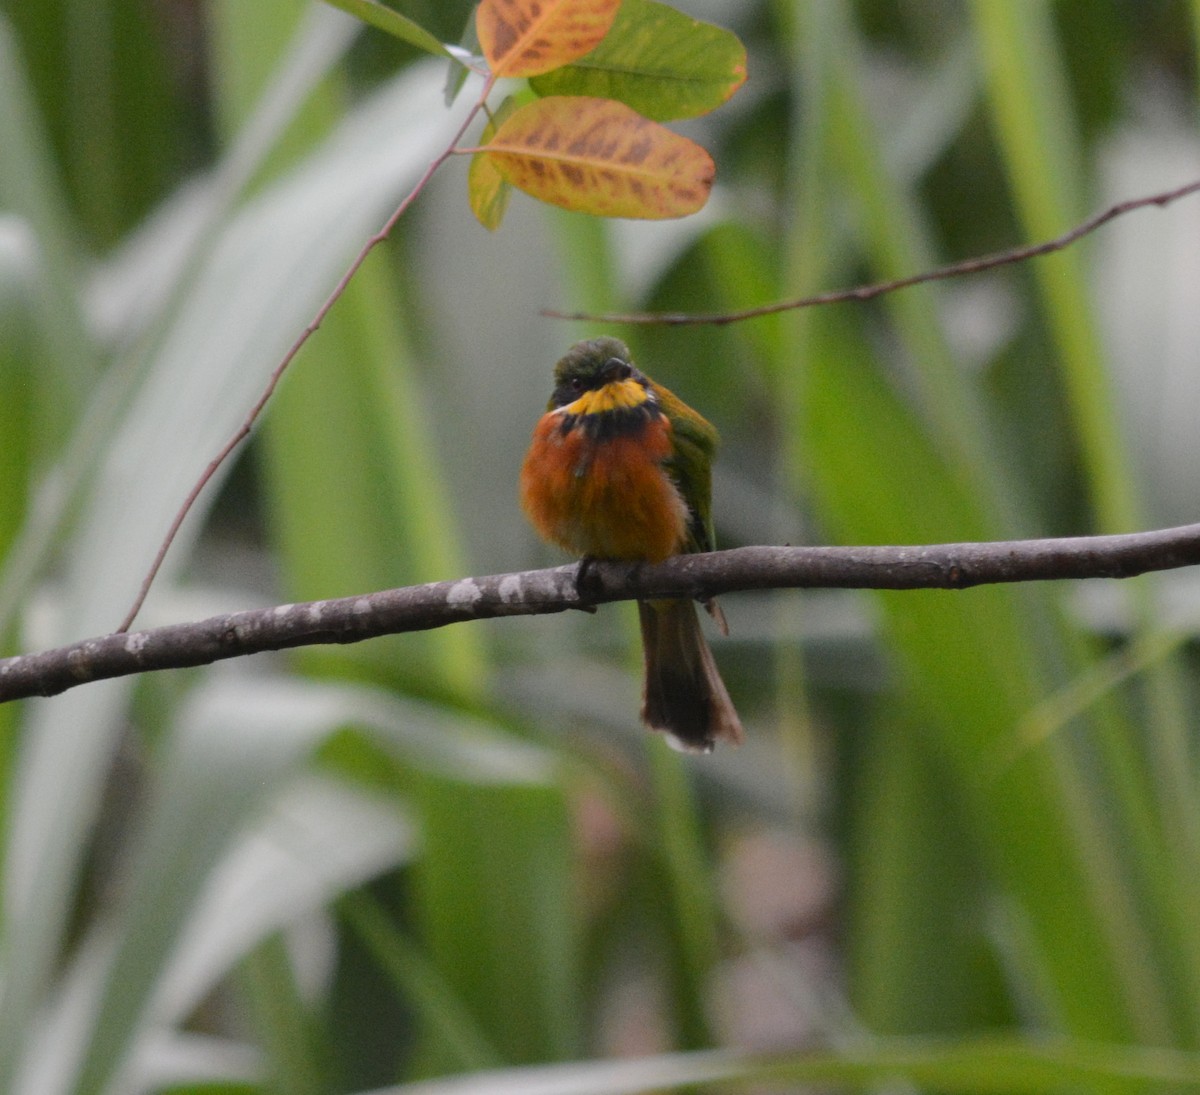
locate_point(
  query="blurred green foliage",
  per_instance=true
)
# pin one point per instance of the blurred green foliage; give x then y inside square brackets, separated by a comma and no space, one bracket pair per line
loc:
[970,817]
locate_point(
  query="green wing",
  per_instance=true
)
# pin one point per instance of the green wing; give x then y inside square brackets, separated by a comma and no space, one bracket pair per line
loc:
[690,466]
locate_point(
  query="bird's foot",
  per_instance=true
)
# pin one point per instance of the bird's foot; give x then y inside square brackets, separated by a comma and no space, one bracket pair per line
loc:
[583,580]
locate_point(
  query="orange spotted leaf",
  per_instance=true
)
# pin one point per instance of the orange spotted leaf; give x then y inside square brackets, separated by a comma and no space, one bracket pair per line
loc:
[599,156]
[526,37]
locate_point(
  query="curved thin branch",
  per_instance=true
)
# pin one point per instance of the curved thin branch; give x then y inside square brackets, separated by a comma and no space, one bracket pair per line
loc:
[538,592]
[252,415]
[870,292]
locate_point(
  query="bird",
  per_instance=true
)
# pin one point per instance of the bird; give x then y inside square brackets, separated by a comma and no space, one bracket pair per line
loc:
[620,468]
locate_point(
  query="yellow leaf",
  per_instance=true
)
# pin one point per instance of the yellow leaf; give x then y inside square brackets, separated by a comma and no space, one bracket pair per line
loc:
[599,156]
[527,37]
[487,190]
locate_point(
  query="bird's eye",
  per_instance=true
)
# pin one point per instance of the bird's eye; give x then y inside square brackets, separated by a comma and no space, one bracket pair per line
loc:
[576,384]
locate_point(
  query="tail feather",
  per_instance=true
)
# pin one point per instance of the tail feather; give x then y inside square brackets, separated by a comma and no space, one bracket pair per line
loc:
[685,696]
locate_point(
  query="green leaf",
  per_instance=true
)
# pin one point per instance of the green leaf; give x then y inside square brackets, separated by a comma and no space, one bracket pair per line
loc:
[45,252]
[657,60]
[263,296]
[400,26]
[208,878]
[496,911]
[1054,832]
[438,1008]
[1010,1065]
[462,58]
[1036,136]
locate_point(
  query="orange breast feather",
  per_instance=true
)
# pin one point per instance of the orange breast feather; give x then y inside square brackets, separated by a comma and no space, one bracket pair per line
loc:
[610,499]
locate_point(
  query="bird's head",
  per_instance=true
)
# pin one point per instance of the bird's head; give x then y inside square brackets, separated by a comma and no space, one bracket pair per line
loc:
[597,375]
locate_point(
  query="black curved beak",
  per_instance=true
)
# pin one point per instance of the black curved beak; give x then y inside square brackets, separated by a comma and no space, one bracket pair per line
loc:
[615,369]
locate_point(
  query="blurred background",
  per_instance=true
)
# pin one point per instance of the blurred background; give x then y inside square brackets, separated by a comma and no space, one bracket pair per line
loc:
[970,817]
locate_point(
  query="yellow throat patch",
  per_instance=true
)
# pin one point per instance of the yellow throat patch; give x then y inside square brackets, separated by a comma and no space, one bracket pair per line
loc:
[618,395]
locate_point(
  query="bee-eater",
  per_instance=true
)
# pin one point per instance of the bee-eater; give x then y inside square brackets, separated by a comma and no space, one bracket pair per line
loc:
[621,468]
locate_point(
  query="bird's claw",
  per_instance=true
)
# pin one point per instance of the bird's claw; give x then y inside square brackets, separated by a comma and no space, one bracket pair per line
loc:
[584,579]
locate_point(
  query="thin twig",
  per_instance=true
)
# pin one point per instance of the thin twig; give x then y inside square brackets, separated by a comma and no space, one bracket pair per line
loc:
[247,425]
[538,592]
[869,292]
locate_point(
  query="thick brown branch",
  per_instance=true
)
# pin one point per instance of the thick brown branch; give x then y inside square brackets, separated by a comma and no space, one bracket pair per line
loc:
[536,592]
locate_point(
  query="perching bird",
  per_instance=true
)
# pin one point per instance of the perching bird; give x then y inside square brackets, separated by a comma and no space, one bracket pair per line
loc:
[620,468]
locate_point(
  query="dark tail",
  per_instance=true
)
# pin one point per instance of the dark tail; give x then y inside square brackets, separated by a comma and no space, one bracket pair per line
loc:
[685,696]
